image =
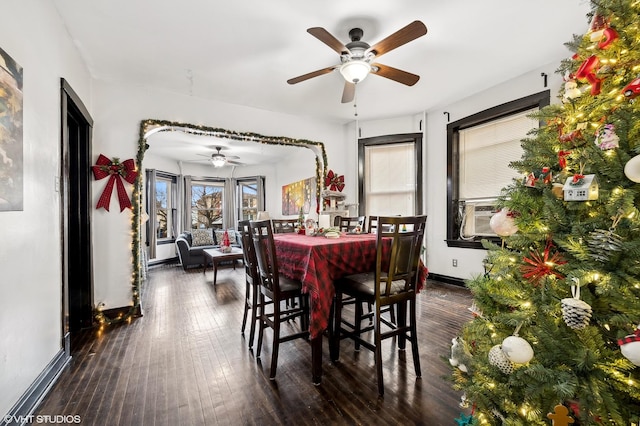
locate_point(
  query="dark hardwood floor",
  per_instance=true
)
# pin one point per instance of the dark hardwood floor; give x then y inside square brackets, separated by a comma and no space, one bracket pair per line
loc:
[185,362]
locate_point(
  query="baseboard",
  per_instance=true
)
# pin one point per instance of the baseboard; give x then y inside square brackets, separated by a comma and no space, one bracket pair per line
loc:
[22,412]
[121,312]
[446,279]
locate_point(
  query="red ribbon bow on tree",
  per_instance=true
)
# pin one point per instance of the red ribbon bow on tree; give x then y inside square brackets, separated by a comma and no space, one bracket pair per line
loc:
[562,158]
[334,182]
[116,172]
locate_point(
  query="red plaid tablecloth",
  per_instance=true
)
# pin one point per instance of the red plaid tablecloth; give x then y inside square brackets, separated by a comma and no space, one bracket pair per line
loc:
[318,261]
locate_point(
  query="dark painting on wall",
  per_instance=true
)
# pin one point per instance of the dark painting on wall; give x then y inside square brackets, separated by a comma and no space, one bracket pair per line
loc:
[11,154]
[300,194]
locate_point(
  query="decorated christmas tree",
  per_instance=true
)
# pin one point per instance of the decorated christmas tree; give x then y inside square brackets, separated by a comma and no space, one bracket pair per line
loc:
[554,337]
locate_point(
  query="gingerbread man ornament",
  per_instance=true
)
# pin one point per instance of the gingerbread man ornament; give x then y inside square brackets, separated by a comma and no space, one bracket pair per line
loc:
[560,416]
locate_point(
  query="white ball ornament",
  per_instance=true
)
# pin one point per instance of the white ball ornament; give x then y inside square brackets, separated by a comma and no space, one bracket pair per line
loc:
[517,350]
[632,169]
[502,224]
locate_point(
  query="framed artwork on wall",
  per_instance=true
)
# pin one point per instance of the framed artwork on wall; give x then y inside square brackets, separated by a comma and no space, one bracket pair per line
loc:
[11,150]
[300,194]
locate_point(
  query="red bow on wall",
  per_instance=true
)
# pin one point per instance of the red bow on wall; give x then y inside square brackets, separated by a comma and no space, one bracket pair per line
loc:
[116,172]
[334,182]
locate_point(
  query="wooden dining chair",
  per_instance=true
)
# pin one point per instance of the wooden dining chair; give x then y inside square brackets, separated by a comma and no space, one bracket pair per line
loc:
[252,280]
[348,224]
[282,226]
[274,290]
[392,284]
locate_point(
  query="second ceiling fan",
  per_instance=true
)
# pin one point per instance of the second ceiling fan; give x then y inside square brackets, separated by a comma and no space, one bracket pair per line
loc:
[357,56]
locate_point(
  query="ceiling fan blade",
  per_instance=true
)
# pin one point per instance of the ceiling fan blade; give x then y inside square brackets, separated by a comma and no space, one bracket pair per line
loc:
[405,35]
[349,92]
[395,74]
[325,37]
[310,75]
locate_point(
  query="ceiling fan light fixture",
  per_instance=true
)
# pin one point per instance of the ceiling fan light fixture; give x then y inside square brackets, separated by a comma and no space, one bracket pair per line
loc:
[355,71]
[218,160]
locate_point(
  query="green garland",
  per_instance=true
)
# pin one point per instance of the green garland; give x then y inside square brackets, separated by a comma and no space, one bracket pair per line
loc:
[147,126]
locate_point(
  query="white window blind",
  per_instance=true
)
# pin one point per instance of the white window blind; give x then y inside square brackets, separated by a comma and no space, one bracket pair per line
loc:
[486,151]
[390,179]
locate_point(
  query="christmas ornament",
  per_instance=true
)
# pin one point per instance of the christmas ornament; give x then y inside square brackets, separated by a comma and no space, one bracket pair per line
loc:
[596,27]
[498,359]
[502,223]
[602,243]
[334,182]
[557,191]
[465,420]
[562,158]
[609,36]
[539,266]
[581,188]
[116,172]
[517,350]
[601,32]
[586,71]
[632,89]
[571,91]
[460,355]
[575,312]
[606,137]
[632,169]
[630,347]
[560,416]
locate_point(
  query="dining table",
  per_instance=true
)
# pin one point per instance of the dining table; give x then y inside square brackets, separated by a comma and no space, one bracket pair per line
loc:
[317,261]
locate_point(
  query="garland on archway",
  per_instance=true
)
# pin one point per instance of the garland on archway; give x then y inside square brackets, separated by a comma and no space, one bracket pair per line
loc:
[150,125]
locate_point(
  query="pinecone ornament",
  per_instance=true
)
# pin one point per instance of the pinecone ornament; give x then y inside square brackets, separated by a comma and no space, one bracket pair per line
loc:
[498,358]
[575,312]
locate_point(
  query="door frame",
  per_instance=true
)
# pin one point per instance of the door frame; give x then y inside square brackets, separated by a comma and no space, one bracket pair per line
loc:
[72,108]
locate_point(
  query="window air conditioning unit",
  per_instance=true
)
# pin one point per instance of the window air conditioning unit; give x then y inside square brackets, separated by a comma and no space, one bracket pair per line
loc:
[476,219]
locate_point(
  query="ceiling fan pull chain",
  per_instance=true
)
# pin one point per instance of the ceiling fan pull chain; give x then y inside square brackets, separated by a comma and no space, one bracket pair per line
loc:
[355,102]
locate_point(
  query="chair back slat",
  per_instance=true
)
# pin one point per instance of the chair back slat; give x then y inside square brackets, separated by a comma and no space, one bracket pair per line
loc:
[398,247]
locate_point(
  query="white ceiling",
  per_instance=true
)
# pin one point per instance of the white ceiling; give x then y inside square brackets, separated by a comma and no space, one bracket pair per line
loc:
[243,52]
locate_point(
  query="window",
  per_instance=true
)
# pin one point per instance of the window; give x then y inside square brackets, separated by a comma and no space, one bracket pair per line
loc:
[250,198]
[165,206]
[479,150]
[207,201]
[390,175]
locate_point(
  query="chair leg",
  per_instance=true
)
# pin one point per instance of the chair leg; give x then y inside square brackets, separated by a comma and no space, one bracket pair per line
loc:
[246,307]
[334,342]
[401,324]
[414,337]
[378,351]
[276,340]
[262,324]
[357,325]
[254,315]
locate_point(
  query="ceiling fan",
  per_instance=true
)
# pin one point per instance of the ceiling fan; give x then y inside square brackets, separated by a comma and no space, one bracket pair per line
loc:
[357,56]
[218,159]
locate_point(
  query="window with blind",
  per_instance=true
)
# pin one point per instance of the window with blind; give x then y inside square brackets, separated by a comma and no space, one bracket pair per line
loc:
[486,151]
[390,175]
[480,148]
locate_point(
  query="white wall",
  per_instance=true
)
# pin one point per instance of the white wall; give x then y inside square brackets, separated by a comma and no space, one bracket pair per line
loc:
[30,294]
[118,110]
